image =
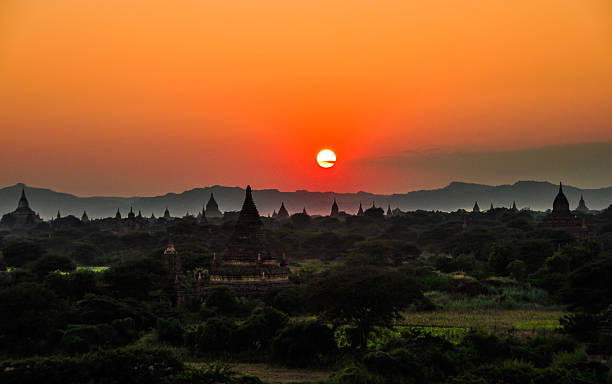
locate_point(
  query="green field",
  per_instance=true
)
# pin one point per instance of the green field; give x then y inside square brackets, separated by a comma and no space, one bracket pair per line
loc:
[491,320]
[93,269]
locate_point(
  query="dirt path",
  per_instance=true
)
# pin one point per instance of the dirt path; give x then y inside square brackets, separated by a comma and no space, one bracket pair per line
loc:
[269,373]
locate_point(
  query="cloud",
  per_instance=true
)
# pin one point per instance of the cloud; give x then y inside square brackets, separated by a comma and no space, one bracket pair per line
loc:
[588,165]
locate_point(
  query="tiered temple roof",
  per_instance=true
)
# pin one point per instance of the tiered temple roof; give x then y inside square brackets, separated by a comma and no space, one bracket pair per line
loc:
[476,207]
[247,257]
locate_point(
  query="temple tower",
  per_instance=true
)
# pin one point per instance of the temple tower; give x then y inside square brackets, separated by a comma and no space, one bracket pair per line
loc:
[360,211]
[476,208]
[334,209]
[212,209]
[84,217]
[582,206]
[282,212]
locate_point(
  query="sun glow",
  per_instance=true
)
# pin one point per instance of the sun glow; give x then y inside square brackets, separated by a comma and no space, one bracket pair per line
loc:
[326,158]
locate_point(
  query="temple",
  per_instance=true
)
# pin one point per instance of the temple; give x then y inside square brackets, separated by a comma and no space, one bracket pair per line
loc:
[562,218]
[167,214]
[514,208]
[22,217]
[389,213]
[582,206]
[476,208]
[334,209]
[360,211]
[248,267]
[212,209]
[282,212]
[84,217]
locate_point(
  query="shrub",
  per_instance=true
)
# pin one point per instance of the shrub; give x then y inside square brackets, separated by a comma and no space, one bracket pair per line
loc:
[170,331]
[304,343]
[113,366]
[216,334]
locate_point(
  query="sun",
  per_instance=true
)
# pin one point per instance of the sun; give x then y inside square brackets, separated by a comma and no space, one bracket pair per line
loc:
[326,158]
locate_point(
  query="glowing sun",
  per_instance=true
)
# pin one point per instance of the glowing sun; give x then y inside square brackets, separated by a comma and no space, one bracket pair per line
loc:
[326,158]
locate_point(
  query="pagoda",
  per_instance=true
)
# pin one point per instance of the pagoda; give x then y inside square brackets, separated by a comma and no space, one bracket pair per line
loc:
[582,206]
[282,212]
[360,211]
[562,218]
[476,207]
[248,266]
[389,213]
[23,216]
[212,209]
[84,217]
[334,209]
[167,214]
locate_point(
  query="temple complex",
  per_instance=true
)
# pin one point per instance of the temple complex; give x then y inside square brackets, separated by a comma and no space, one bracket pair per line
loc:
[248,267]
[562,218]
[212,209]
[282,212]
[582,206]
[22,217]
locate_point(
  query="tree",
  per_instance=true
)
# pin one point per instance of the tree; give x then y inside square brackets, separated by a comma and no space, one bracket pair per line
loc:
[588,288]
[20,253]
[50,263]
[499,257]
[362,297]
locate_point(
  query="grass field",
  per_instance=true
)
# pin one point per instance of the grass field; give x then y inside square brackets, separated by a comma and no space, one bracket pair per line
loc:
[490,320]
[93,269]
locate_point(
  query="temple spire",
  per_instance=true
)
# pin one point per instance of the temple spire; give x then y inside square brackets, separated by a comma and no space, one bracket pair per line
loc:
[23,200]
[360,211]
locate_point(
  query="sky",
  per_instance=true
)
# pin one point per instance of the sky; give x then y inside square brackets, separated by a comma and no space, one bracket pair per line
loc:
[143,97]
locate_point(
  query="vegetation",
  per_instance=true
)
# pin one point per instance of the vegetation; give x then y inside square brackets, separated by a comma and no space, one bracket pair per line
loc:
[406,299]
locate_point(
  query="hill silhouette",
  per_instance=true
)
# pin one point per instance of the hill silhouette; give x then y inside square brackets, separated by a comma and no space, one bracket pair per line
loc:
[536,195]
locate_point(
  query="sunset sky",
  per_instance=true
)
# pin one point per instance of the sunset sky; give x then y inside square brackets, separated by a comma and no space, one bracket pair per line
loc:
[115,97]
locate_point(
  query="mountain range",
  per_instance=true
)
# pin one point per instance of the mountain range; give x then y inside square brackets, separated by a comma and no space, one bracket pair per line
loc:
[536,195]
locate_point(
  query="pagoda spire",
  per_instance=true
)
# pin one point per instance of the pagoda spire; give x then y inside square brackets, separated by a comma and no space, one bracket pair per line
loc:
[334,208]
[360,211]
[23,200]
[476,208]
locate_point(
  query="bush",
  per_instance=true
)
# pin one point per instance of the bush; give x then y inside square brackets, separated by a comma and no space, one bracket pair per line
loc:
[223,300]
[216,334]
[50,263]
[113,366]
[170,331]
[304,343]
[260,327]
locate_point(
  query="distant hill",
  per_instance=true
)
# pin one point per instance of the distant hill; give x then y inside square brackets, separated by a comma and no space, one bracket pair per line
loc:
[533,194]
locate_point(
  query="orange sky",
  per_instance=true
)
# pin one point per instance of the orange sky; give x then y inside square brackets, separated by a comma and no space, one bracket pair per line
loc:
[146,97]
